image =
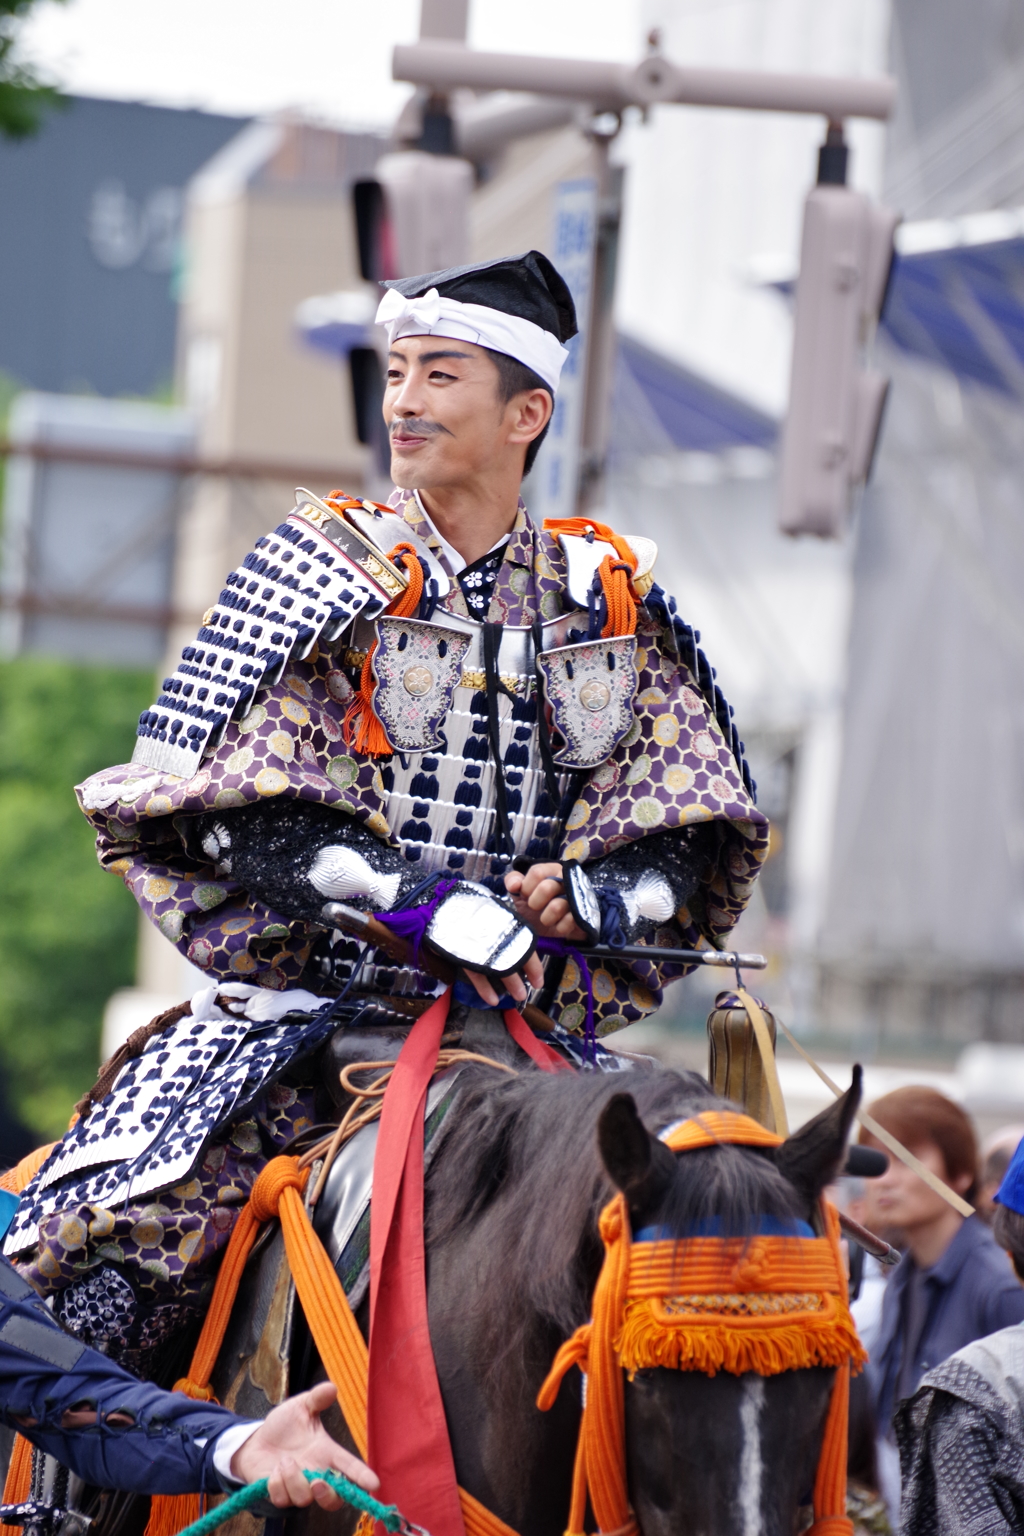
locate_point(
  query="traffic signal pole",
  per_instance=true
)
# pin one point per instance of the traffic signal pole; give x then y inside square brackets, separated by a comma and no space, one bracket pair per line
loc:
[613,87]
[835,403]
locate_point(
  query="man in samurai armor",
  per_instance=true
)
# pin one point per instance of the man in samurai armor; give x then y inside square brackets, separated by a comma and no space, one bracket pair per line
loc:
[497,737]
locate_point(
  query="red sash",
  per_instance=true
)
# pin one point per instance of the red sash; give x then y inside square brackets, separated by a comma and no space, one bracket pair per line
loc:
[409,1446]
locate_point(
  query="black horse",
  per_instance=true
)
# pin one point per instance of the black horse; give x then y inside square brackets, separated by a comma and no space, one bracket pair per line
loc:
[513,1193]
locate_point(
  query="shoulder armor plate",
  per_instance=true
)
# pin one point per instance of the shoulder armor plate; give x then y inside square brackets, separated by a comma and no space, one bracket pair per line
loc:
[583,556]
[304,582]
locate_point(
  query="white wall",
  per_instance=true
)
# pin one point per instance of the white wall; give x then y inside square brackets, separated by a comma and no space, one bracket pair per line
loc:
[709,193]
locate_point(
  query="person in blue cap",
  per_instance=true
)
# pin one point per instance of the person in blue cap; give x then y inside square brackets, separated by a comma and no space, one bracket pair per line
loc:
[115,1431]
[961,1436]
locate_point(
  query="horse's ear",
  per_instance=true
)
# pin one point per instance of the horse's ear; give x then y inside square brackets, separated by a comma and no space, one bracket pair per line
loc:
[813,1156]
[637,1163]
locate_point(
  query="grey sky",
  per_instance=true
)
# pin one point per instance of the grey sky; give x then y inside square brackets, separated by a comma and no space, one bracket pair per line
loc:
[328,57]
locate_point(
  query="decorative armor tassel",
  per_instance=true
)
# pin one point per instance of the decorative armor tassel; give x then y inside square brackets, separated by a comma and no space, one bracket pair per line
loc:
[736,1065]
[360,718]
[616,576]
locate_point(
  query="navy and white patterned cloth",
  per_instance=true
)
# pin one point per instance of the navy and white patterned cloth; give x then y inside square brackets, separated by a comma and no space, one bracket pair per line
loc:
[148,1133]
[589,1057]
[961,1442]
[477,582]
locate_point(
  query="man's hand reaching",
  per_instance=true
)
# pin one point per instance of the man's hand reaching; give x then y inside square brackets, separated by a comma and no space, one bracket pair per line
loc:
[291,1439]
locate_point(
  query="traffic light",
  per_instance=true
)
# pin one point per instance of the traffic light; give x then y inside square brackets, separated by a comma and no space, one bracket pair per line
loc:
[413,216]
[835,402]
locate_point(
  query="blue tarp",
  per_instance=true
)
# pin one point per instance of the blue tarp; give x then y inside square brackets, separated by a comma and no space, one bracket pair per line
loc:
[695,415]
[963,308]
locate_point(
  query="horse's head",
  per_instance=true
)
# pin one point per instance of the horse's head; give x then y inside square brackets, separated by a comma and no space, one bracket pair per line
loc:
[725,1455]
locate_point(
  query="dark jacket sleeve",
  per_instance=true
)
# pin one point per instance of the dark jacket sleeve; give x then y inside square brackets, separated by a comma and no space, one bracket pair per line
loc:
[44,1372]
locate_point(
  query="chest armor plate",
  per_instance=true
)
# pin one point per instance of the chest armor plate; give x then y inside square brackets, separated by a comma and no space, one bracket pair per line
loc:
[418,668]
[440,805]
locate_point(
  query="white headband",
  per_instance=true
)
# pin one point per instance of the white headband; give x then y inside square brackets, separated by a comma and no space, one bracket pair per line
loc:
[431,315]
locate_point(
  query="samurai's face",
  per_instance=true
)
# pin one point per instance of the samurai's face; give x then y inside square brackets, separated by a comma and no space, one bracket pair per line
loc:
[448,423]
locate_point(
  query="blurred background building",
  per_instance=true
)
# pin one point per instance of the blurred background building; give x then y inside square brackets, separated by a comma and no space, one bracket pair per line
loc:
[219,270]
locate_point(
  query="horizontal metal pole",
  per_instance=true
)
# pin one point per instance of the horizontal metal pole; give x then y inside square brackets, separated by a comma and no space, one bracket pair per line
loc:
[365,923]
[658,954]
[489,123]
[449,66]
[183,463]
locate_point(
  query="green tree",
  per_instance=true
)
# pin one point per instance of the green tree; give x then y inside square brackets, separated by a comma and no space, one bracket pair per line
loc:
[67,929]
[24,97]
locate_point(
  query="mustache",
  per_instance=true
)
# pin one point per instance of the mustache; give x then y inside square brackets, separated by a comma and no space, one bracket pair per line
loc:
[417,426]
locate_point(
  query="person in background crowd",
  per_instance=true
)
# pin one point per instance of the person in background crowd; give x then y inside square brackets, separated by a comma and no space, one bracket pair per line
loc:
[868,1277]
[996,1152]
[953,1284]
[961,1436]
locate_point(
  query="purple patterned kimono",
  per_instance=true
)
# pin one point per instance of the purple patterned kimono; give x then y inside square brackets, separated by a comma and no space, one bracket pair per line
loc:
[673,767]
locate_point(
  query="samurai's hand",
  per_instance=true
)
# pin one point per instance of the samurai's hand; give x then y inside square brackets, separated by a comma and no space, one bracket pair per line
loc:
[540,901]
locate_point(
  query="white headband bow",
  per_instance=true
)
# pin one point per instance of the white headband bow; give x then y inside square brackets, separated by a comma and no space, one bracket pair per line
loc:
[432,315]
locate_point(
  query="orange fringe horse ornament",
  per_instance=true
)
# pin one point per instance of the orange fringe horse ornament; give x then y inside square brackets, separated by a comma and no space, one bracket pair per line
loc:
[762,1304]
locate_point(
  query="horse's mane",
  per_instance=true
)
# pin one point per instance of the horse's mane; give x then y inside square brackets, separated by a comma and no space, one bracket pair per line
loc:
[519,1159]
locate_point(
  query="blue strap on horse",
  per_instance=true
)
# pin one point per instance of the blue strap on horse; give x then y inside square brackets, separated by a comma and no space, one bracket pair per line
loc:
[256,1493]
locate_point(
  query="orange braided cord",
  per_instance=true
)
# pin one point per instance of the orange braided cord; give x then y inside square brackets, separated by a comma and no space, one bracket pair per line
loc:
[579,527]
[602,1445]
[360,719]
[339,1343]
[332,1324]
[717,1126]
[342,1348]
[478,1519]
[616,573]
[19,1480]
[172,1512]
[617,583]
[830,1482]
[208,1346]
[605,1417]
[18,1178]
[578,1495]
[706,1265]
[343,499]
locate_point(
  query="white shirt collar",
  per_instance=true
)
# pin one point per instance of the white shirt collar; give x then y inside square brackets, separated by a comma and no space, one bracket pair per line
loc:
[449,555]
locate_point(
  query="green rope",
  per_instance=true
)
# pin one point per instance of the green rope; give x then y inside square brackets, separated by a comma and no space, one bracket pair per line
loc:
[255,1493]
